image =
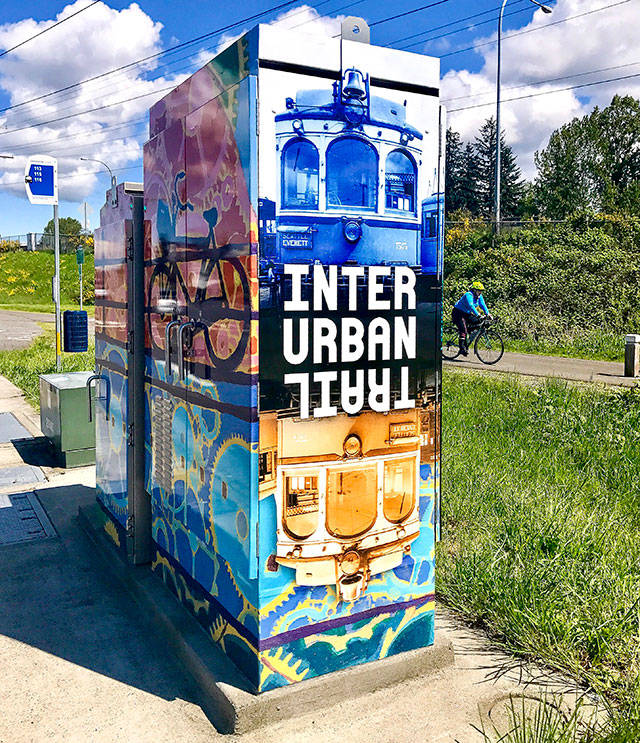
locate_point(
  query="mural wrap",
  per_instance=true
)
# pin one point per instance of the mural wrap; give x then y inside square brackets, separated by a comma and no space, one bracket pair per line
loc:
[292,254]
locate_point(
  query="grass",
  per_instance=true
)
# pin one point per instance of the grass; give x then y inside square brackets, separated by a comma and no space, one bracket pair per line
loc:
[25,280]
[588,344]
[541,527]
[23,367]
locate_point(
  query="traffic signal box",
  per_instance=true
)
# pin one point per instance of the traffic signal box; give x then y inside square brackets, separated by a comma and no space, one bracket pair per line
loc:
[286,431]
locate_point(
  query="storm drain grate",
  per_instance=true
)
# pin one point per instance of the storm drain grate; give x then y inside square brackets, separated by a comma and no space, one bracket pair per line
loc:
[23,519]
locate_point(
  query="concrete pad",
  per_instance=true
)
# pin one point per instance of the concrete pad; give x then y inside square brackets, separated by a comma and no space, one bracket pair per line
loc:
[21,474]
[229,700]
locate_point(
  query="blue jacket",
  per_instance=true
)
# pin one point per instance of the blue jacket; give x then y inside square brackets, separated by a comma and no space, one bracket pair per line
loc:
[469,304]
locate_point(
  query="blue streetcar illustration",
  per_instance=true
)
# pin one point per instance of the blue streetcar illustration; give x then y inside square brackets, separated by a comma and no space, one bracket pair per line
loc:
[349,182]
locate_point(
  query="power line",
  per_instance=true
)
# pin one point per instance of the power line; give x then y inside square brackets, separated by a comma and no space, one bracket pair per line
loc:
[542,82]
[459,30]
[48,28]
[537,28]
[548,92]
[406,13]
[165,67]
[148,58]
[88,111]
[132,98]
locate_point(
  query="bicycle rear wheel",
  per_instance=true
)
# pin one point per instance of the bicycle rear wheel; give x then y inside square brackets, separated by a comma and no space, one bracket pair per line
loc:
[489,346]
[450,348]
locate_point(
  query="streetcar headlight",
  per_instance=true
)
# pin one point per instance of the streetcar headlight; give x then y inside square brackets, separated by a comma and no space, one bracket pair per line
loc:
[297,126]
[350,563]
[352,229]
[352,445]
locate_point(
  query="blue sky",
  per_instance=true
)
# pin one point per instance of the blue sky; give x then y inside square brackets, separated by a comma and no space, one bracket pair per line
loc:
[597,34]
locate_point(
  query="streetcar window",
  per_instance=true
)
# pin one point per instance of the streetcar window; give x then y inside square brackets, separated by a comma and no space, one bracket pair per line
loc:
[400,182]
[399,488]
[351,500]
[301,505]
[352,173]
[300,163]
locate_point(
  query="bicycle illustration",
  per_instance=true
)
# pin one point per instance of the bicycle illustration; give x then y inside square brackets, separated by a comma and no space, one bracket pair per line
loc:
[221,303]
[487,343]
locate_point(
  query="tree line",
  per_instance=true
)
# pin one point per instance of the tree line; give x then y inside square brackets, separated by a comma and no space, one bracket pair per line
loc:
[591,163]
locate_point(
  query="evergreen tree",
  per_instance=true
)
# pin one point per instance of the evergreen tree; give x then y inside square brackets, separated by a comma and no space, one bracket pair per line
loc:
[460,175]
[511,182]
[454,173]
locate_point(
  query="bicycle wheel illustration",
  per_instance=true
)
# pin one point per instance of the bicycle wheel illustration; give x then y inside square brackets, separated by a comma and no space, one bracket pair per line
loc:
[223,308]
[489,346]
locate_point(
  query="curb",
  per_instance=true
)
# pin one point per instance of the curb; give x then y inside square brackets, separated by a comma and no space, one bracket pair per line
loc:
[227,699]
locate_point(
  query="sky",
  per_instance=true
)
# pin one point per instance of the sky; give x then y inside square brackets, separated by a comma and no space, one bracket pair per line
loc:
[580,42]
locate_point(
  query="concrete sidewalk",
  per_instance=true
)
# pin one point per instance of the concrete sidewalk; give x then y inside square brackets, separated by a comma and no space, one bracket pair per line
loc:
[578,370]
[79,663]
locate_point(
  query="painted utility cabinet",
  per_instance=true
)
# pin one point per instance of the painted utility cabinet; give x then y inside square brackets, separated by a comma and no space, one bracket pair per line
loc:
[292,278]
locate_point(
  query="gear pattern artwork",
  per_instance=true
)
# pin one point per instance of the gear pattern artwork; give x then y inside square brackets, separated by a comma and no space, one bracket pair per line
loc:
[224,470]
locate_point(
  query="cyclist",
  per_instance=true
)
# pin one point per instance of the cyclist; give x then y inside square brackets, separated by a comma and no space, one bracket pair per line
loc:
[466,313]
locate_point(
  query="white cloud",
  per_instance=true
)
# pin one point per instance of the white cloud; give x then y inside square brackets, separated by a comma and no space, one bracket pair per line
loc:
[93,42]
[603,39]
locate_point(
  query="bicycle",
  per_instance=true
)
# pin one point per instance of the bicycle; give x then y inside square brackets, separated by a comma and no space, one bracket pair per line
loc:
[487,343]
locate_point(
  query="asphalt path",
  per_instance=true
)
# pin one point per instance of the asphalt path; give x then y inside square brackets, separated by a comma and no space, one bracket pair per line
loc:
[577,370]
[19,329]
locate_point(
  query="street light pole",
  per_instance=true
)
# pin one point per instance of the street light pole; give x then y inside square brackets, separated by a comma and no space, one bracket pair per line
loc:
[496,199]
[114,192]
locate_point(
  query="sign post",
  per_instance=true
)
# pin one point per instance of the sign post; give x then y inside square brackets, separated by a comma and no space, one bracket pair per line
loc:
[41,183]
[80,261]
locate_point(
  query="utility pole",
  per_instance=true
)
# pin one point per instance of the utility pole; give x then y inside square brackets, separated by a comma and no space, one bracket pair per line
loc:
[56,286]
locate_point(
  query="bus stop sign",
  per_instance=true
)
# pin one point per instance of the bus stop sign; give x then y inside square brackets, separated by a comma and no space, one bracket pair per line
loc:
[41,179]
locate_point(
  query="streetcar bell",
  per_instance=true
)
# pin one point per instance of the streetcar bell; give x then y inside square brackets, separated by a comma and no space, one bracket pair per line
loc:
[353,85]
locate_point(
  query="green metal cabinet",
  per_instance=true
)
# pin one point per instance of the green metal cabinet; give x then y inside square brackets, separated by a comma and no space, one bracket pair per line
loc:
[64,418]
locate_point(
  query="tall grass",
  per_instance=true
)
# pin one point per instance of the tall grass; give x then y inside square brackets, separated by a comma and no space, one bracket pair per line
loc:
[23,367]
[541,526]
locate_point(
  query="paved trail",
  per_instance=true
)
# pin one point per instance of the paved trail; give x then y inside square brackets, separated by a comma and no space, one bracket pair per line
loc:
[19,329]
[578,370]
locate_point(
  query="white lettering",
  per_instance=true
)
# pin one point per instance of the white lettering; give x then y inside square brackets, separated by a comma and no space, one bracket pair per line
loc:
[379,391]
[375,288]
[352,398]
[325,288]
[303,381]
[352,273]
[324,336]
[404,285]
[295,357]
[379,335]
[404,337]
[404,401]
[352,337]
[296,303]
[326,410]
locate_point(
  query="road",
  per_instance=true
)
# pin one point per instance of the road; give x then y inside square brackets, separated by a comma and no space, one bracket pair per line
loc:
[19,329]
[578,370]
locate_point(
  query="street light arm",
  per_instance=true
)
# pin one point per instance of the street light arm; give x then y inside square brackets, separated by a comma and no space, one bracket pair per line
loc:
[95,160]
[114,184]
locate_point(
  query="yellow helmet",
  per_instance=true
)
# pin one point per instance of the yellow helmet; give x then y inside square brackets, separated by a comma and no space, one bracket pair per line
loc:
[478,285]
